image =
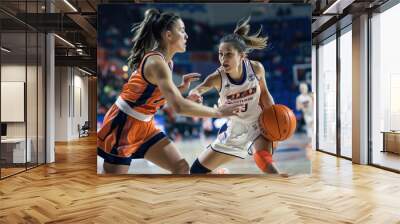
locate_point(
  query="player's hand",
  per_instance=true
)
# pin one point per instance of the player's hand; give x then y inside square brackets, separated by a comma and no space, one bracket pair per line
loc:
[187,79]
[195,97]
[228,110]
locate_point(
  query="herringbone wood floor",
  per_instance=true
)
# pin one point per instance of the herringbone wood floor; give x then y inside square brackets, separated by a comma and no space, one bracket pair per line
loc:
[70,191]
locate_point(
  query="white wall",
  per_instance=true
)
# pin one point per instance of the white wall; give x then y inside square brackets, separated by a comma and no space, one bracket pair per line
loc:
[33,126]
[13,73]
[71,94]
[81,82]
[61,103]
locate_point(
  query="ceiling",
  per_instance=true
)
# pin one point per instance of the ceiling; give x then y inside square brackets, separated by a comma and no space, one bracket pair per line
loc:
[76,21]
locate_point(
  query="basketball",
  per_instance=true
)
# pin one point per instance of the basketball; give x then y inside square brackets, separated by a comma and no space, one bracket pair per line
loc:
[277,123]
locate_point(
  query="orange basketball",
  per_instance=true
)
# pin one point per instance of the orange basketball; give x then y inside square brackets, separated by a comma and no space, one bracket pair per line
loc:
[277,123]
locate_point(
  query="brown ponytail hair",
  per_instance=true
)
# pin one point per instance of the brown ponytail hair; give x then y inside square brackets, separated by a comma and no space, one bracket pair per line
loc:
[241,39]
[147,34]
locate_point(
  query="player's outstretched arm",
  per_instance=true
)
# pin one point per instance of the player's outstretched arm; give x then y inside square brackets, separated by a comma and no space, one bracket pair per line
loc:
[212,81]
[159,73]
[186,80]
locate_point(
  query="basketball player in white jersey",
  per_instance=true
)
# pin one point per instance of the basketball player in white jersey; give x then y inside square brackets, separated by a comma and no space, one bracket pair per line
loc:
[239,81]
[304,103]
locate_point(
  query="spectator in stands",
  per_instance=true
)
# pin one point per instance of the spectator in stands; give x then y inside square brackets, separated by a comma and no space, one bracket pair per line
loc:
[304,103]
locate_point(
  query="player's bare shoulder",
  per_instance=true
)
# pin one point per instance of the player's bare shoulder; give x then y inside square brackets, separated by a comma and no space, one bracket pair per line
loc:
[258,68]
[155,68]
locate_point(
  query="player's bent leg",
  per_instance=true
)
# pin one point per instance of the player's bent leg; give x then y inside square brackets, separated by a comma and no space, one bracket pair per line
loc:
[198,168]
[166,155]
[263,149]
[209,160]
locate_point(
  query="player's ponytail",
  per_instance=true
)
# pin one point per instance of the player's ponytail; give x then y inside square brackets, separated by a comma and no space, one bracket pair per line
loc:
[147,34]
[241,39]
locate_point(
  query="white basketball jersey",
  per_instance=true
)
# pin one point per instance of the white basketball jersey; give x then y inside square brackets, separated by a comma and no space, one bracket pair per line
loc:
[246,91]
[306,101]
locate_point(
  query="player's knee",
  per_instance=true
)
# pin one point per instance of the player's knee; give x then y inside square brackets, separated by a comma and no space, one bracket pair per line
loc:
[198,168]
[182,167]
[263,159]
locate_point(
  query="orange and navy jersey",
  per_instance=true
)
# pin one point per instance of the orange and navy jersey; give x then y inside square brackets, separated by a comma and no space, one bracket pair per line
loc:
[140,94]
[123,138]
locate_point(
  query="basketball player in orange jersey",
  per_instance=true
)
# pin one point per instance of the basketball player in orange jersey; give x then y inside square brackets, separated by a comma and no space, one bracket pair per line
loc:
[129,131]
[239,81]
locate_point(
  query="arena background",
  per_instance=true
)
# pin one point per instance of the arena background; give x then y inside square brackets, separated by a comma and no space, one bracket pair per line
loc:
[287,59]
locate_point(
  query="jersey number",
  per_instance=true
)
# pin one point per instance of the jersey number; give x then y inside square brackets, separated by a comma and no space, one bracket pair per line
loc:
[244,109]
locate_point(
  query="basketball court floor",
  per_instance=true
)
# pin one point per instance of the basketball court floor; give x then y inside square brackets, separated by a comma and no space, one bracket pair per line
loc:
[291,157]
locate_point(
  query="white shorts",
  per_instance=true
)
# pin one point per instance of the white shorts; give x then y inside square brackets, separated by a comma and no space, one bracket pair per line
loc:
[236,137]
